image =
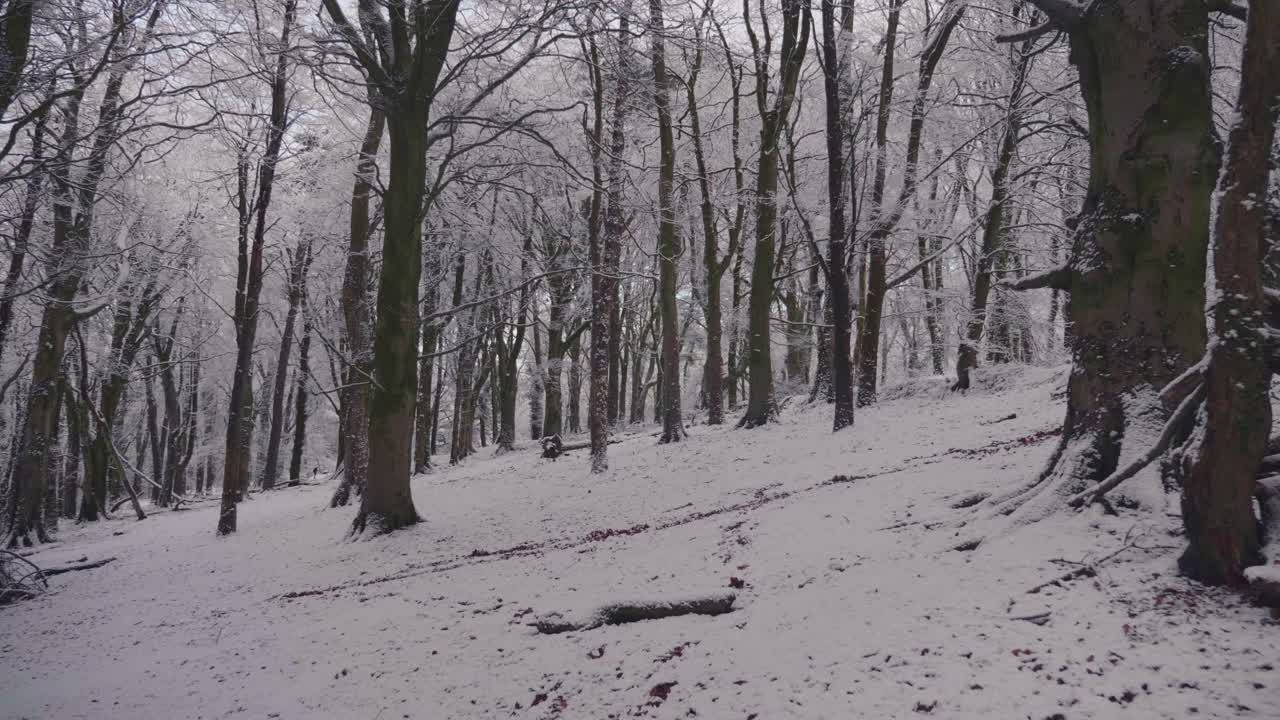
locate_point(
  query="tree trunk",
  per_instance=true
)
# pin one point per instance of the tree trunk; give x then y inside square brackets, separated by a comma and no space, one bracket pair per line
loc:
[1137,268]
[300,394]
[301,262]
[993,229]
[1217,494]
[605,252]
[355,314]
[761,405]
[235,479]
[668,234]
[872,302]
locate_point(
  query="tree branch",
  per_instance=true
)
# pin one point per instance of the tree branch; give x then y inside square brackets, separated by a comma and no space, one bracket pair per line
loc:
[1058,278]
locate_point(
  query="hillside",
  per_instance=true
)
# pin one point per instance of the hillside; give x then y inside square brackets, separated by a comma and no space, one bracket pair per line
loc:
[851,603]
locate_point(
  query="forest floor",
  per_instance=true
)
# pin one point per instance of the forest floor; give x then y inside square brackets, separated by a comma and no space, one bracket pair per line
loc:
[850,602]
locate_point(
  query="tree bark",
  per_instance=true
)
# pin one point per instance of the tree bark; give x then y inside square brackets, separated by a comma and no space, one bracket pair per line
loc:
[604,252]
[235,479]
[761,404]
[355,315]
[668,233]
[1137,268]
[300,262]
[839,353]
[1217,494]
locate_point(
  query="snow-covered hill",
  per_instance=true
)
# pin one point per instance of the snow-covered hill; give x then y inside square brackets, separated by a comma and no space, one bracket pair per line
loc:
[850,603]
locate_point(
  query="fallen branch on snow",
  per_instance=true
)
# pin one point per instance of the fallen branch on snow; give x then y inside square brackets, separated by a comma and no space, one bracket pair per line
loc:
[78,566]
[629,612]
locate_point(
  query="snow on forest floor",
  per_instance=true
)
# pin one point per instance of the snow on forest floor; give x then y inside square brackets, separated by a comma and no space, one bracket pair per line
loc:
[850,606]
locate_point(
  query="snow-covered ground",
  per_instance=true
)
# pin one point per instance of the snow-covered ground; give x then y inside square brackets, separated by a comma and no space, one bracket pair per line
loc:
[851,605]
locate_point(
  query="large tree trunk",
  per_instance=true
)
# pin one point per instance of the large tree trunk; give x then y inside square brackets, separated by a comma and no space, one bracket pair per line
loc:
[1217,493]
[387,503]
[405,81]
[1137,268]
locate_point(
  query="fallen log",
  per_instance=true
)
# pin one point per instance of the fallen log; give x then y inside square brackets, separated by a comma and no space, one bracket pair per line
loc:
[78,566]
[629,612]
[553,447]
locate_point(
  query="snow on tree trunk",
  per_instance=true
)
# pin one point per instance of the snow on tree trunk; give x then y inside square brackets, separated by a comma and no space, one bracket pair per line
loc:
[1217,492]
[1137,263]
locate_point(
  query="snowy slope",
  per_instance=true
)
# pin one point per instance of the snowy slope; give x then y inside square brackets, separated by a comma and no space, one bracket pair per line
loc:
[852,605]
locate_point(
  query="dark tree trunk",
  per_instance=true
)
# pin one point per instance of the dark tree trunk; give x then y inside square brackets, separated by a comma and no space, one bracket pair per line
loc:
[761,404]
[235,479]
[668,233]
[839,353]
[431,329]
[605,252]
[299,265]
[1137,268]
[876,287]
[354,422]
[873,289]
[714,266]
[405,81]
[300,395]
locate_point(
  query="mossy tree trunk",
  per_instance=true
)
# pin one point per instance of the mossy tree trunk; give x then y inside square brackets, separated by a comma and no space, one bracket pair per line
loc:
[796,21]
[1137,264]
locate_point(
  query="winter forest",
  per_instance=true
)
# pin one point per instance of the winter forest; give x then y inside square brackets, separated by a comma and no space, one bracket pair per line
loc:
[610,358]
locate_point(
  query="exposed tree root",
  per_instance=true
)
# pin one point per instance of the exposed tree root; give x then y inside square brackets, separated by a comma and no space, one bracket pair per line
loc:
[368,523]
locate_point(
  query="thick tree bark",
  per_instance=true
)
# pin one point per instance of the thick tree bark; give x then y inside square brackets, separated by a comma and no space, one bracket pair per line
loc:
[1137,267]
[1217,493]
